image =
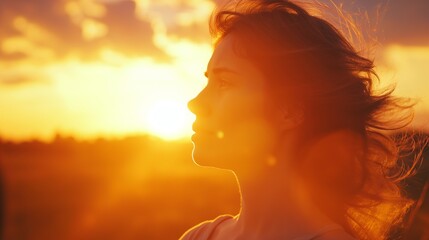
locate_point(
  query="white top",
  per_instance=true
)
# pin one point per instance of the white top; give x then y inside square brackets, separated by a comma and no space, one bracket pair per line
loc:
[204,230]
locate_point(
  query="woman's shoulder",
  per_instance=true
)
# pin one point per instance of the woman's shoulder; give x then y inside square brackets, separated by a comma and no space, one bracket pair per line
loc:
[202,231]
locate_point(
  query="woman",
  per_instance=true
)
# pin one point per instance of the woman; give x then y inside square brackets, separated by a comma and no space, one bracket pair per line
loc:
[290,110]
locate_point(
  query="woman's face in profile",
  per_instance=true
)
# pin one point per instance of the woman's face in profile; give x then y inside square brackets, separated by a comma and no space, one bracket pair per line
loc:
[232,127]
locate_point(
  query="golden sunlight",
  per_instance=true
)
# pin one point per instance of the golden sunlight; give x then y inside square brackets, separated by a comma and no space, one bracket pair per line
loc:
[406,67]
[168,119]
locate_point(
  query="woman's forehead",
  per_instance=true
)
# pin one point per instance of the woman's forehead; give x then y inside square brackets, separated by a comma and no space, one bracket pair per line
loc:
[225,57]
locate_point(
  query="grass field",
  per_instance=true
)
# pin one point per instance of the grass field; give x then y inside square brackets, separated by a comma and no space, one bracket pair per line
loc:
[133,188]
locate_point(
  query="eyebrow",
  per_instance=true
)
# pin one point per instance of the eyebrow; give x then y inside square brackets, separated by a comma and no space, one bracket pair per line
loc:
[218,70]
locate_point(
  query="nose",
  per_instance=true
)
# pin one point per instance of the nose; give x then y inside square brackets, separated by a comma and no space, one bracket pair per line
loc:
[200,104]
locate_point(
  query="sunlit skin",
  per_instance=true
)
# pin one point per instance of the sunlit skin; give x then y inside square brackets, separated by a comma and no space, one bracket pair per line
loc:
[239,128]
[231,110]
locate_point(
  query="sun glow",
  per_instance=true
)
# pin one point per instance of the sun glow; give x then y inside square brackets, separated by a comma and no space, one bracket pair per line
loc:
[168,119]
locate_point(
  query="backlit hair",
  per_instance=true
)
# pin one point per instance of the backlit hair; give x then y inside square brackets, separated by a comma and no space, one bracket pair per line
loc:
[311,67]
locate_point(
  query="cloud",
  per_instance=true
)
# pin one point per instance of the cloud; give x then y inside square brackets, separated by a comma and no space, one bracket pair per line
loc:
[133,36]
[180,19]
[390,21]
[22,77]
[406,22]
[21,80]
[79,28]
[195,32]
[406,68]
[395,21]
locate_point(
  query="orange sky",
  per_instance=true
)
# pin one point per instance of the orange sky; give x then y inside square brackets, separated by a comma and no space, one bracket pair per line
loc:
[91,68]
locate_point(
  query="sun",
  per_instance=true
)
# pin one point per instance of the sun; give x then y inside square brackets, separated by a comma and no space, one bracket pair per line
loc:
[168,119]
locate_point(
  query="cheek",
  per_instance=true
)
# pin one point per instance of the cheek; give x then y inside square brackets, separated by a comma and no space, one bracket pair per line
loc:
[244,134]
[237,109]
[252,138]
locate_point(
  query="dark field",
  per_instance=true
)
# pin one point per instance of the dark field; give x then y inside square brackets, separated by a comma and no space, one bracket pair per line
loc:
[133,188]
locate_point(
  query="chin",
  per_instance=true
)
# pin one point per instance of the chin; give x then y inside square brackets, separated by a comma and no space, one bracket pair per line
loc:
[204,158]
[203,152]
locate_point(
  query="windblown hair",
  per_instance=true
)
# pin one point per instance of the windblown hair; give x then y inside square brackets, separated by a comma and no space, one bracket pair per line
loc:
[310,66]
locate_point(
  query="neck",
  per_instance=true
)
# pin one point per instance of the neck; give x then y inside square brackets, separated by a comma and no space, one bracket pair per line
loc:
[273,202]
